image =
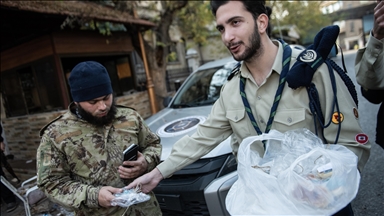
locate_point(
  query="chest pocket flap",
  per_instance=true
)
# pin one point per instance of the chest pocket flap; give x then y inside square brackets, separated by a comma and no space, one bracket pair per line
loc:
[290,117]
[235,115]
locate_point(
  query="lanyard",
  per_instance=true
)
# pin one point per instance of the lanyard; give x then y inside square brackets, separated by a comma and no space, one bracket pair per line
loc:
[284,72]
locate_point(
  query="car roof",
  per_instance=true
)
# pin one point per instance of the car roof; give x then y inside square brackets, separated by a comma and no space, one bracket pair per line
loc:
[216,63]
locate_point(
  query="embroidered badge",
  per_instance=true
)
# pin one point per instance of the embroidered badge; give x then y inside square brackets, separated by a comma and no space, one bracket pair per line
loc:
[355,112]
[308,56]
[361,138]
[336,118]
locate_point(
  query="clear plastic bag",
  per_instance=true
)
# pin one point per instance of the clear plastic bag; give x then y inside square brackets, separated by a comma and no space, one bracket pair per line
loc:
[129,197]
[298,175]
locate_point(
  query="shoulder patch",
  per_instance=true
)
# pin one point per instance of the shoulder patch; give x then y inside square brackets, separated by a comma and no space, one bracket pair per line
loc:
[45,127]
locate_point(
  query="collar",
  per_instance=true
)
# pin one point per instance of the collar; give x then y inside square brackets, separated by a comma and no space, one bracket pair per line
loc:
[276,67]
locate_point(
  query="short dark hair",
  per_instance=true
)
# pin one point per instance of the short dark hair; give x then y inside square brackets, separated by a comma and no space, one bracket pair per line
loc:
[254,7]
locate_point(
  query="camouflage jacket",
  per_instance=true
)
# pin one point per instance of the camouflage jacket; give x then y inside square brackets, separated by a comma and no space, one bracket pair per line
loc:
[75,159]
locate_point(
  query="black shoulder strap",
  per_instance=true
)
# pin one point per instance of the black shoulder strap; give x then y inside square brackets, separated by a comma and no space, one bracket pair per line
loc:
[344,76]
[235,70]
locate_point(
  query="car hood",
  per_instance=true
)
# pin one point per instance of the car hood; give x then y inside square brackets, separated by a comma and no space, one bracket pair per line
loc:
[172,124]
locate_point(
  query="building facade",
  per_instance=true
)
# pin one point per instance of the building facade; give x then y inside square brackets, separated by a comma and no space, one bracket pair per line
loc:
[37,55]
[354,18]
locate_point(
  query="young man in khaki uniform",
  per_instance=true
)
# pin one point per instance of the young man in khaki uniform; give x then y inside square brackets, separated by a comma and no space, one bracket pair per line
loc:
[243,27]
[369,67]
[80,157]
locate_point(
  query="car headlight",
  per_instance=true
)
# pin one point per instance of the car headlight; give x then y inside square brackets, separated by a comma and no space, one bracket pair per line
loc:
[229,166]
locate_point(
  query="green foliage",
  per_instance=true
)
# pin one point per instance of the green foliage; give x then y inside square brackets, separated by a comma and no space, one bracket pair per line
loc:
[196,21]
[159,43]
[172,57]
[105,28]
[306,15]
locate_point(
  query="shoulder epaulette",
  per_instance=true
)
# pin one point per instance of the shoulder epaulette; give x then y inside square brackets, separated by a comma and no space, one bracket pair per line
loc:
[122,106]
[235,70]
[45,127]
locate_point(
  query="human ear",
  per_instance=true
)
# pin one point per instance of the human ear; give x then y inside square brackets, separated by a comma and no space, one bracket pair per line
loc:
[262,23]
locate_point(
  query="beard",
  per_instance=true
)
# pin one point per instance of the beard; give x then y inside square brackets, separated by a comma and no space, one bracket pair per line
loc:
[98,121]
[253,50]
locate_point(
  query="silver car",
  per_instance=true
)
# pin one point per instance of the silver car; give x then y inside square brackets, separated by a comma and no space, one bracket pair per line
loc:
[200,188]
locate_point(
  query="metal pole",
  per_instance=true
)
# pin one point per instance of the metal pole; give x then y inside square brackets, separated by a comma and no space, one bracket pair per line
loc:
[14,190]
[150,86]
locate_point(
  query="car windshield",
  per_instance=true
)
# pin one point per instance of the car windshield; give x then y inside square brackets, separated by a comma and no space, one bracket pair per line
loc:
[203,87]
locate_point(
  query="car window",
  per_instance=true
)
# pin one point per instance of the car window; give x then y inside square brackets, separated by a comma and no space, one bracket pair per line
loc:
[202,87]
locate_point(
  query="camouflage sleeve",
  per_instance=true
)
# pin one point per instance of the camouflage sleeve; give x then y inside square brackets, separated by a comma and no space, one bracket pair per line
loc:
[53,177]
[149,144]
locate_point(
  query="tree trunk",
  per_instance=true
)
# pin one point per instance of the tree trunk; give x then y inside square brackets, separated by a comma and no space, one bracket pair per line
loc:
[158,53]
[158,72]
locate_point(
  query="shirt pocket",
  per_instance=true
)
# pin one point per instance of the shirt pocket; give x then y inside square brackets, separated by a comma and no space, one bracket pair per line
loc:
[240,125]
[289,119]
[235,115]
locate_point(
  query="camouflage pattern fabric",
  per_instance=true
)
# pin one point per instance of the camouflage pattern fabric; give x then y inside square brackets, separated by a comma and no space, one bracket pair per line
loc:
[75,159]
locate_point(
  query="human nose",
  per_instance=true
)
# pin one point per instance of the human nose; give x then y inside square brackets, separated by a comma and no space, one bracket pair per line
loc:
[227,36]
[101,105]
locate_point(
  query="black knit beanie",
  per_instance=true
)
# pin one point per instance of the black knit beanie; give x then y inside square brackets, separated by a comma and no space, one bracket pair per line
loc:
[89,80]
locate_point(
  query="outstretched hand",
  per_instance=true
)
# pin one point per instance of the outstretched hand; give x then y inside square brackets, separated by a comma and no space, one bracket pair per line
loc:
[147,182]
[378,24]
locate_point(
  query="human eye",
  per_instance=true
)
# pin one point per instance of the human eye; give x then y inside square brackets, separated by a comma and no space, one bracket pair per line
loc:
[235,22]
[220,29]
[107,97]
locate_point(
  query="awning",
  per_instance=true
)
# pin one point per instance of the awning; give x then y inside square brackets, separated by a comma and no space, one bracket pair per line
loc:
[81,9]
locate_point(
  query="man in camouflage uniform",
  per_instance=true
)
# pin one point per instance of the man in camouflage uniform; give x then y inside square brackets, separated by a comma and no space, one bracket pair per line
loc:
[80,159]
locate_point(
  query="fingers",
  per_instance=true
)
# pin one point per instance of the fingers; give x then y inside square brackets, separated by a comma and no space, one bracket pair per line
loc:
[133,184]
[133,169]
[148,181]
[106,195]
[124,172]
[142,182]
[378,26]
[138,161]
[129,172]
[114,190]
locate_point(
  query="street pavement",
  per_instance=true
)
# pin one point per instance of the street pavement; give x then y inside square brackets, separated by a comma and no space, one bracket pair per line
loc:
[370,198]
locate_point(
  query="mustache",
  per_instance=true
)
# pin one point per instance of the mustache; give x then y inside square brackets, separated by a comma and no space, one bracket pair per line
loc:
[229,45]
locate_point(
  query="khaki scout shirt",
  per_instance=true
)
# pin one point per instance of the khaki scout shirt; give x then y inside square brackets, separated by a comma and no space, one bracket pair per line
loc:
[369,64]
[75,159]
[228,116]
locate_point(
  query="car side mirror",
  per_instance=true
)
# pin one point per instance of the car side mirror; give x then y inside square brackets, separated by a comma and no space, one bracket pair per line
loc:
[166,101]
